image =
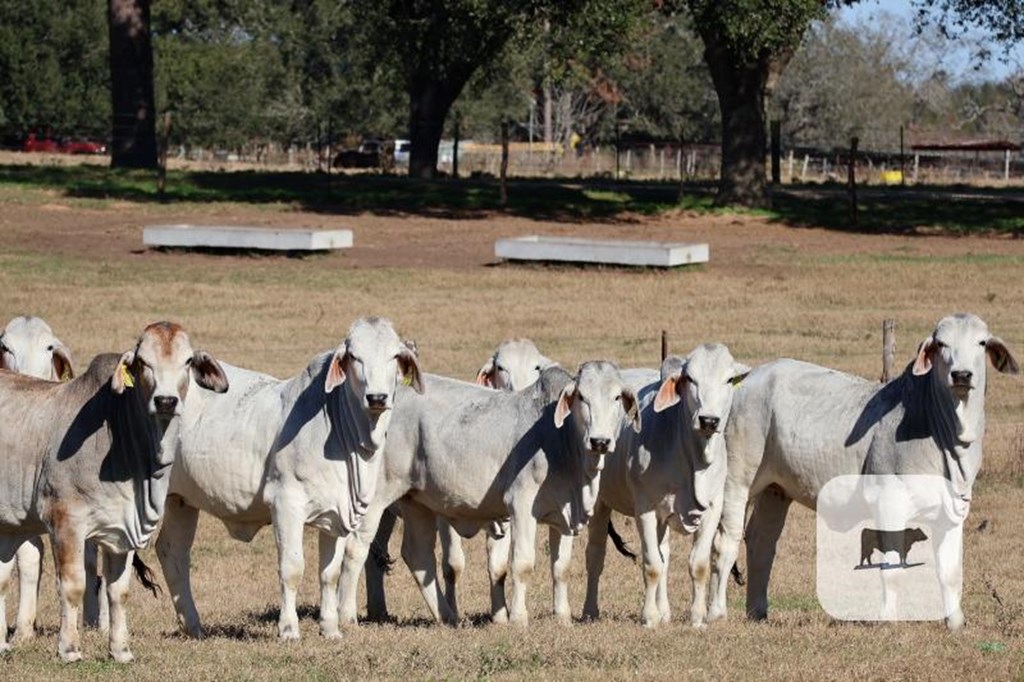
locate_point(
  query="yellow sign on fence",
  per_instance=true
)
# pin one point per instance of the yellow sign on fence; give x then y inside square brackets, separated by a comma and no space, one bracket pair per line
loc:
[892,177]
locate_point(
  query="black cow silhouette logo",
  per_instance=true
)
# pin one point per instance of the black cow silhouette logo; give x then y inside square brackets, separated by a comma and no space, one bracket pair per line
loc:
[888,541]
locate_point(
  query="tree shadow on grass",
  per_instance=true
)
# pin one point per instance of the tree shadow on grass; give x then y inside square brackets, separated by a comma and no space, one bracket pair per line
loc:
[475,198]
[919,211]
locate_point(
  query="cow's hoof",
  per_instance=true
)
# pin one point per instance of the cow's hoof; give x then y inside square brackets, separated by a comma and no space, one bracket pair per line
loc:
[564,619]
[5,648]
[71,656]
[956,621]
[24,634]
[123,656]
[519,620]
[500,617]
[288,633]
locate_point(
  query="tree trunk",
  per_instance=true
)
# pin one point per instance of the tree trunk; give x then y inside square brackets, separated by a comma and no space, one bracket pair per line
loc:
[133,128]
[742,88]
[429,102]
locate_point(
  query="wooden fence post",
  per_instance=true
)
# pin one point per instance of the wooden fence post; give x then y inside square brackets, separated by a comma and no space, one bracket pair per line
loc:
[664,345]
[853,181]
[776,145]
[888,349]
[504,162]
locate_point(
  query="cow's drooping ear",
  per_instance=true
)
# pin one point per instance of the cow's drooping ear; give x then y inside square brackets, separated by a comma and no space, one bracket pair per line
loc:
[629,404]
[564,406]
[1000,356]
[485,377]
[123,377]
[923,363]
[409,366]
[6,358]
[336,370]
[208,373]
[670,392]
[739,373]
[61,360]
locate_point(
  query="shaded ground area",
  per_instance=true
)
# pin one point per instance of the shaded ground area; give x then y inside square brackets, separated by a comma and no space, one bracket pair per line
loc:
[896,210]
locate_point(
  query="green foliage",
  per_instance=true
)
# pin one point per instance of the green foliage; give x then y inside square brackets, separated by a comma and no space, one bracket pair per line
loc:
[752,30]
[53,61]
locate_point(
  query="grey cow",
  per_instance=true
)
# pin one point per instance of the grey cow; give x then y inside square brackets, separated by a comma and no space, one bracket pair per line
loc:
[477,456]
[795,426]
[89,459]
[514,365]
[671,474]
[28,346]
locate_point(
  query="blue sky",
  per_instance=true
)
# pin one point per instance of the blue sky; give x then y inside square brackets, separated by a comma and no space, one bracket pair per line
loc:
[957,60]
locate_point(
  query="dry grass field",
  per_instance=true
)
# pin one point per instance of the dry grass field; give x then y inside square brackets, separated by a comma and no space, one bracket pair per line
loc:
[769,291]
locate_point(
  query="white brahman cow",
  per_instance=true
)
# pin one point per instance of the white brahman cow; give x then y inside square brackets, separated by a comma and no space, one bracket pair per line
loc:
[795,426]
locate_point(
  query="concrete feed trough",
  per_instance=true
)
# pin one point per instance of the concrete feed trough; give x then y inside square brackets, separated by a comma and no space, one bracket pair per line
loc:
[604,251]
[243,238]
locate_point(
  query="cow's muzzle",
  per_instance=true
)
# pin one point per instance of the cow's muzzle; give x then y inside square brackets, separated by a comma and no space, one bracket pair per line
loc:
[165,405]
[961,383]
[708,425]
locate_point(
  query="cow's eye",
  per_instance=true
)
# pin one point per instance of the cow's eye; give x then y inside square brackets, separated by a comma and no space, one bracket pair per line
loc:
[188,362]
[49,349]
[939,344]
[982,343]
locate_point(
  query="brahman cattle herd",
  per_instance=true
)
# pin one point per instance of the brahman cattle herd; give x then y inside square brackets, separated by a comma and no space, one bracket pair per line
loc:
[149,438]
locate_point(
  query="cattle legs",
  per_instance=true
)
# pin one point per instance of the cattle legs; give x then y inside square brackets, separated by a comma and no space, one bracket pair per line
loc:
[664,611]
[418,539]
[651,535]
[30,568]
[766,521]
[524,538]
[288,519]
[69,558]
[597,545]
[332,551]
[700,563]
[453,562]
[498,548]
[560,549]
[376,568]
[173,549]
[118,577]
[949,552]
[357,548]
[727,543]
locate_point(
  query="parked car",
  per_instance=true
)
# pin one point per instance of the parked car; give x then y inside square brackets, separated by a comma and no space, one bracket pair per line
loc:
[33,143]
[402,149]
[370,154]
[51,145]
[81,146]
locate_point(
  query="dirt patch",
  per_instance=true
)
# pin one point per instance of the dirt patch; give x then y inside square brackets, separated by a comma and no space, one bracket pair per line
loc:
[115,232]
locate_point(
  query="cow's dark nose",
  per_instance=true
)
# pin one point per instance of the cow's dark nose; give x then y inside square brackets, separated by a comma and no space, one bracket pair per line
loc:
[165,404]
[962,377]
[600,444]
[709,424]
[377,400]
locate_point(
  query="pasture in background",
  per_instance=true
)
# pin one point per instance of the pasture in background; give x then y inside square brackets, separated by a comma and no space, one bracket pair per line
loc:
[72,254]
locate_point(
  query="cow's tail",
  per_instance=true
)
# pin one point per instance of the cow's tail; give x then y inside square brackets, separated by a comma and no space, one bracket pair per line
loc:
[619,543]
[379,548]
[144,574]
[737,575]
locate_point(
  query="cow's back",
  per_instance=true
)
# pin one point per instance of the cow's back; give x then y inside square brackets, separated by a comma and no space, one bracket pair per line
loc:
[461,443]
[800,425]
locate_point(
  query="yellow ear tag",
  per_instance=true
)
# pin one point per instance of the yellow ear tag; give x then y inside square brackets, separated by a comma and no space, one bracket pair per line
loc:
[407,380]
[126,377]
[66,376]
